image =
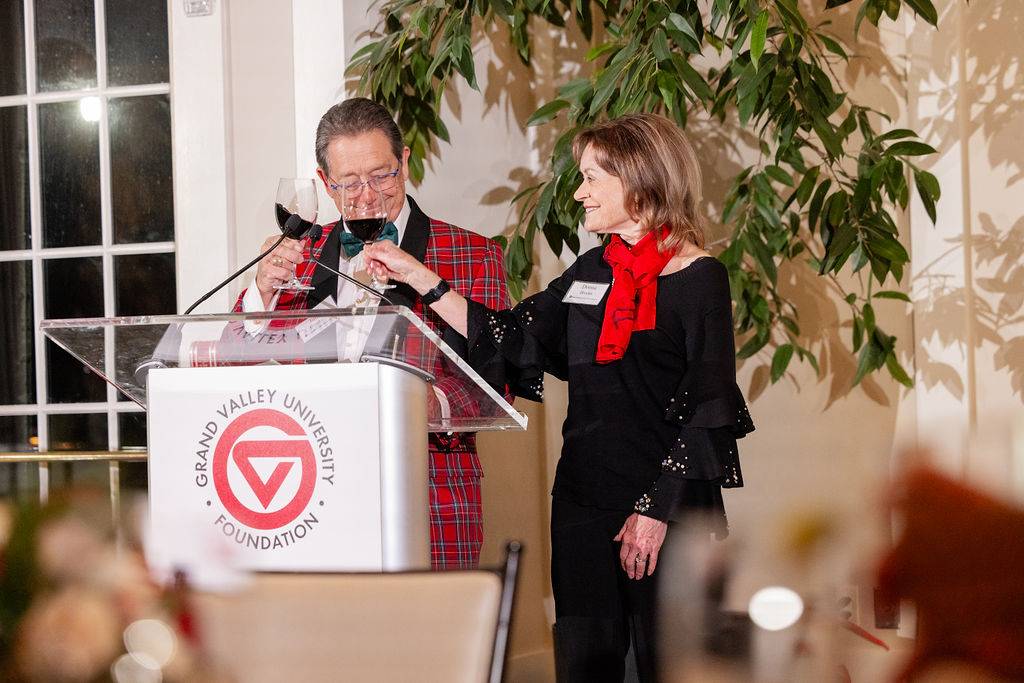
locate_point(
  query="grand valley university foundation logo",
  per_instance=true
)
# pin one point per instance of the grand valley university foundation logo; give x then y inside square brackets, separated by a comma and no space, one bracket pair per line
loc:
[269,452]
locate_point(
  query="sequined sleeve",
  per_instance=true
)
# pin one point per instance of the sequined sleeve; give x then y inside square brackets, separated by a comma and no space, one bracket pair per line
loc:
[513,348]
[710,413]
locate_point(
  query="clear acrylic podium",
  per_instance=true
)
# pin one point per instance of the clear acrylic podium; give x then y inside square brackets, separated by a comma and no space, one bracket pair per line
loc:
[291,440]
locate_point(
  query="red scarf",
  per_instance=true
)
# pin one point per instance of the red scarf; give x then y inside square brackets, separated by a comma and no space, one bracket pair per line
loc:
[632,301]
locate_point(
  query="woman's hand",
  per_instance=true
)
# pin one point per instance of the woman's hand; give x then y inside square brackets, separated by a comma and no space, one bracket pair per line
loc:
[641,542]
[385,261]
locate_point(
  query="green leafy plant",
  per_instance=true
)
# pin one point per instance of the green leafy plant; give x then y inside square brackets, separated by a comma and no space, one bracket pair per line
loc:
[823,192]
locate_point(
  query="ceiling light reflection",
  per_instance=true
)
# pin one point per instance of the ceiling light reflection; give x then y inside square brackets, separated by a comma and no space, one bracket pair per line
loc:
[89,108]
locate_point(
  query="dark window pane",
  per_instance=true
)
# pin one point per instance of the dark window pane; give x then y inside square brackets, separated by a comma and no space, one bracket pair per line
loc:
[140,159]
[12,48]
[132,429]
[70,174]
[17,350]
[65,44]
[78,432]
[74,287]
[19,482]
[134,476]
[136,41]
[18,433]
[145,284]
[15,228]
[68,380]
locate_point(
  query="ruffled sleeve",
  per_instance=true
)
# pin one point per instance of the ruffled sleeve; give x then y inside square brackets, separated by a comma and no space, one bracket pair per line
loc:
[709,411]
[514,348]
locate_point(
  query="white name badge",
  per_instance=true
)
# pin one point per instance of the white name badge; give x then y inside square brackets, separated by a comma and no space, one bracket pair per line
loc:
[589,293]
[310,327]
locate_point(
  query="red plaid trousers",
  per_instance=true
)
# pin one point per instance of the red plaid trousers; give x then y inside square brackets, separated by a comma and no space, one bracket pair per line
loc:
[474,267]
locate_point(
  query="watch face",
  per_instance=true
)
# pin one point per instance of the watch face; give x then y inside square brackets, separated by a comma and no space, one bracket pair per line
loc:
[437,292]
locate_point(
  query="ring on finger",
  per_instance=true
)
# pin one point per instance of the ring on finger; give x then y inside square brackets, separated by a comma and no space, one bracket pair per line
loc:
[637,559]
[276,260]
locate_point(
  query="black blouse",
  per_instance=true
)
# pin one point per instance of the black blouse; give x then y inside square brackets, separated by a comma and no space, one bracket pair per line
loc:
[653,432]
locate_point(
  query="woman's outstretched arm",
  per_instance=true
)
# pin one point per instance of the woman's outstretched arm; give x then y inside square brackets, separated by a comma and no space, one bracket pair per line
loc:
[387,261]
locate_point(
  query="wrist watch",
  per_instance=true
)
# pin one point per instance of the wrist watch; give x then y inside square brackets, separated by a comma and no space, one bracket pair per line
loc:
[436,293]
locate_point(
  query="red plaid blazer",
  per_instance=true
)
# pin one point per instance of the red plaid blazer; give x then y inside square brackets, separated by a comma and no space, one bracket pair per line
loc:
[474,267]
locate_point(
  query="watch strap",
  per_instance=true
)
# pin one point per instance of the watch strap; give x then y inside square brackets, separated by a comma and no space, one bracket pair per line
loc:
[436,293]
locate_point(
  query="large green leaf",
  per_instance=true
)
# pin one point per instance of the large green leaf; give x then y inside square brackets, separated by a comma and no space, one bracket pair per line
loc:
[778,174]
[547,112]
[752,346]
[927,190]
[897,371]
[910,148]
[780,361]
[926,10]
[693,79]
[683,32]
[659,45]
[757,37]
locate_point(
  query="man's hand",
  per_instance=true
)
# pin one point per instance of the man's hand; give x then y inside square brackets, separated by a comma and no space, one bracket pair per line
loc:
[641,542]
[278,266]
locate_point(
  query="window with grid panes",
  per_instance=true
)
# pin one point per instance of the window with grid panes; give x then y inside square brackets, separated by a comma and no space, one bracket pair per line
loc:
[86,216]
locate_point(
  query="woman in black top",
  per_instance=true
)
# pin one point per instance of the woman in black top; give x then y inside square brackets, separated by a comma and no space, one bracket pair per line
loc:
[642,331]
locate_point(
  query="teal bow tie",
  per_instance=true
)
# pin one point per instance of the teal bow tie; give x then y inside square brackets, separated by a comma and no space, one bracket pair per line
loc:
[353,245]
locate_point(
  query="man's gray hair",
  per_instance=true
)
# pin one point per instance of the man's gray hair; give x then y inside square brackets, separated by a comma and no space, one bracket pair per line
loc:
[354,117]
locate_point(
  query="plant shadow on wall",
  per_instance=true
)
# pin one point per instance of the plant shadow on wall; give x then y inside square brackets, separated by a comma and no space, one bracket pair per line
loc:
[510,84]
[994,93]
[806,184]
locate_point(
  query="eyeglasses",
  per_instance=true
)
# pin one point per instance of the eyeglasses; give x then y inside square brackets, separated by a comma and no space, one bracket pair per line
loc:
[379,181]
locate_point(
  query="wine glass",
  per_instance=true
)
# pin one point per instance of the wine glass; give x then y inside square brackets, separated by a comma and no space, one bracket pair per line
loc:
[365,215]
[295,209]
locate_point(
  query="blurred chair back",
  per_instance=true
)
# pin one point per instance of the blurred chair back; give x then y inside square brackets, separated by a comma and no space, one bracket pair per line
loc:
[405,626]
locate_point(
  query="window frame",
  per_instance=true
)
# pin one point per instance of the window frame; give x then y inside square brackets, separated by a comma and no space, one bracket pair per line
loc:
[114,404]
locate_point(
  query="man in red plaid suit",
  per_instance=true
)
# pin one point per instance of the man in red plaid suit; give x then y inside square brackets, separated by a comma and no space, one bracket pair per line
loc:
[358,144]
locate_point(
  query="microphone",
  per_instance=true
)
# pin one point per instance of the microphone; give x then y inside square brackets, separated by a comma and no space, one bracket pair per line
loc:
[294,227]
[354,281]
[166,351]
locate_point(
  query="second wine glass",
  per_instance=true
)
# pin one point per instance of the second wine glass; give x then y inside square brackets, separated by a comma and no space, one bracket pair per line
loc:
[295,209]
[364,213]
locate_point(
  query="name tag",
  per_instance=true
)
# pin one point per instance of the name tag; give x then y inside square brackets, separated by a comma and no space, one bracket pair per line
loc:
[310,327]
[588,293]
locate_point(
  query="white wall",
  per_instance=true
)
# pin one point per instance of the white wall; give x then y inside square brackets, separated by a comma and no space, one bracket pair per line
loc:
[201,122]
[965,89]
[263,120]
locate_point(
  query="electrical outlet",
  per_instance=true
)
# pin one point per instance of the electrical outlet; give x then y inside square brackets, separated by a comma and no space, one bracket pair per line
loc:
[848,602]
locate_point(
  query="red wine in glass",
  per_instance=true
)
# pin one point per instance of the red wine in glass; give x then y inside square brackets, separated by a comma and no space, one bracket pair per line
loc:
[298,229]
[366,229]
[364,215]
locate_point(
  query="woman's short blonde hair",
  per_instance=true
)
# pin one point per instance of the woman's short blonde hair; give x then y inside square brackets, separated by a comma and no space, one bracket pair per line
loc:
[658,169]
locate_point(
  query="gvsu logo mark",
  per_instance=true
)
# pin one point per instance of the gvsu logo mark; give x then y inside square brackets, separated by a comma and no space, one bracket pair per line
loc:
[264,470]
[268,459]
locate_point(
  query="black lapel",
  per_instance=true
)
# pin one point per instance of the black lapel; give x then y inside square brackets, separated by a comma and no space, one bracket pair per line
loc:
[325,283]
[414,242]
